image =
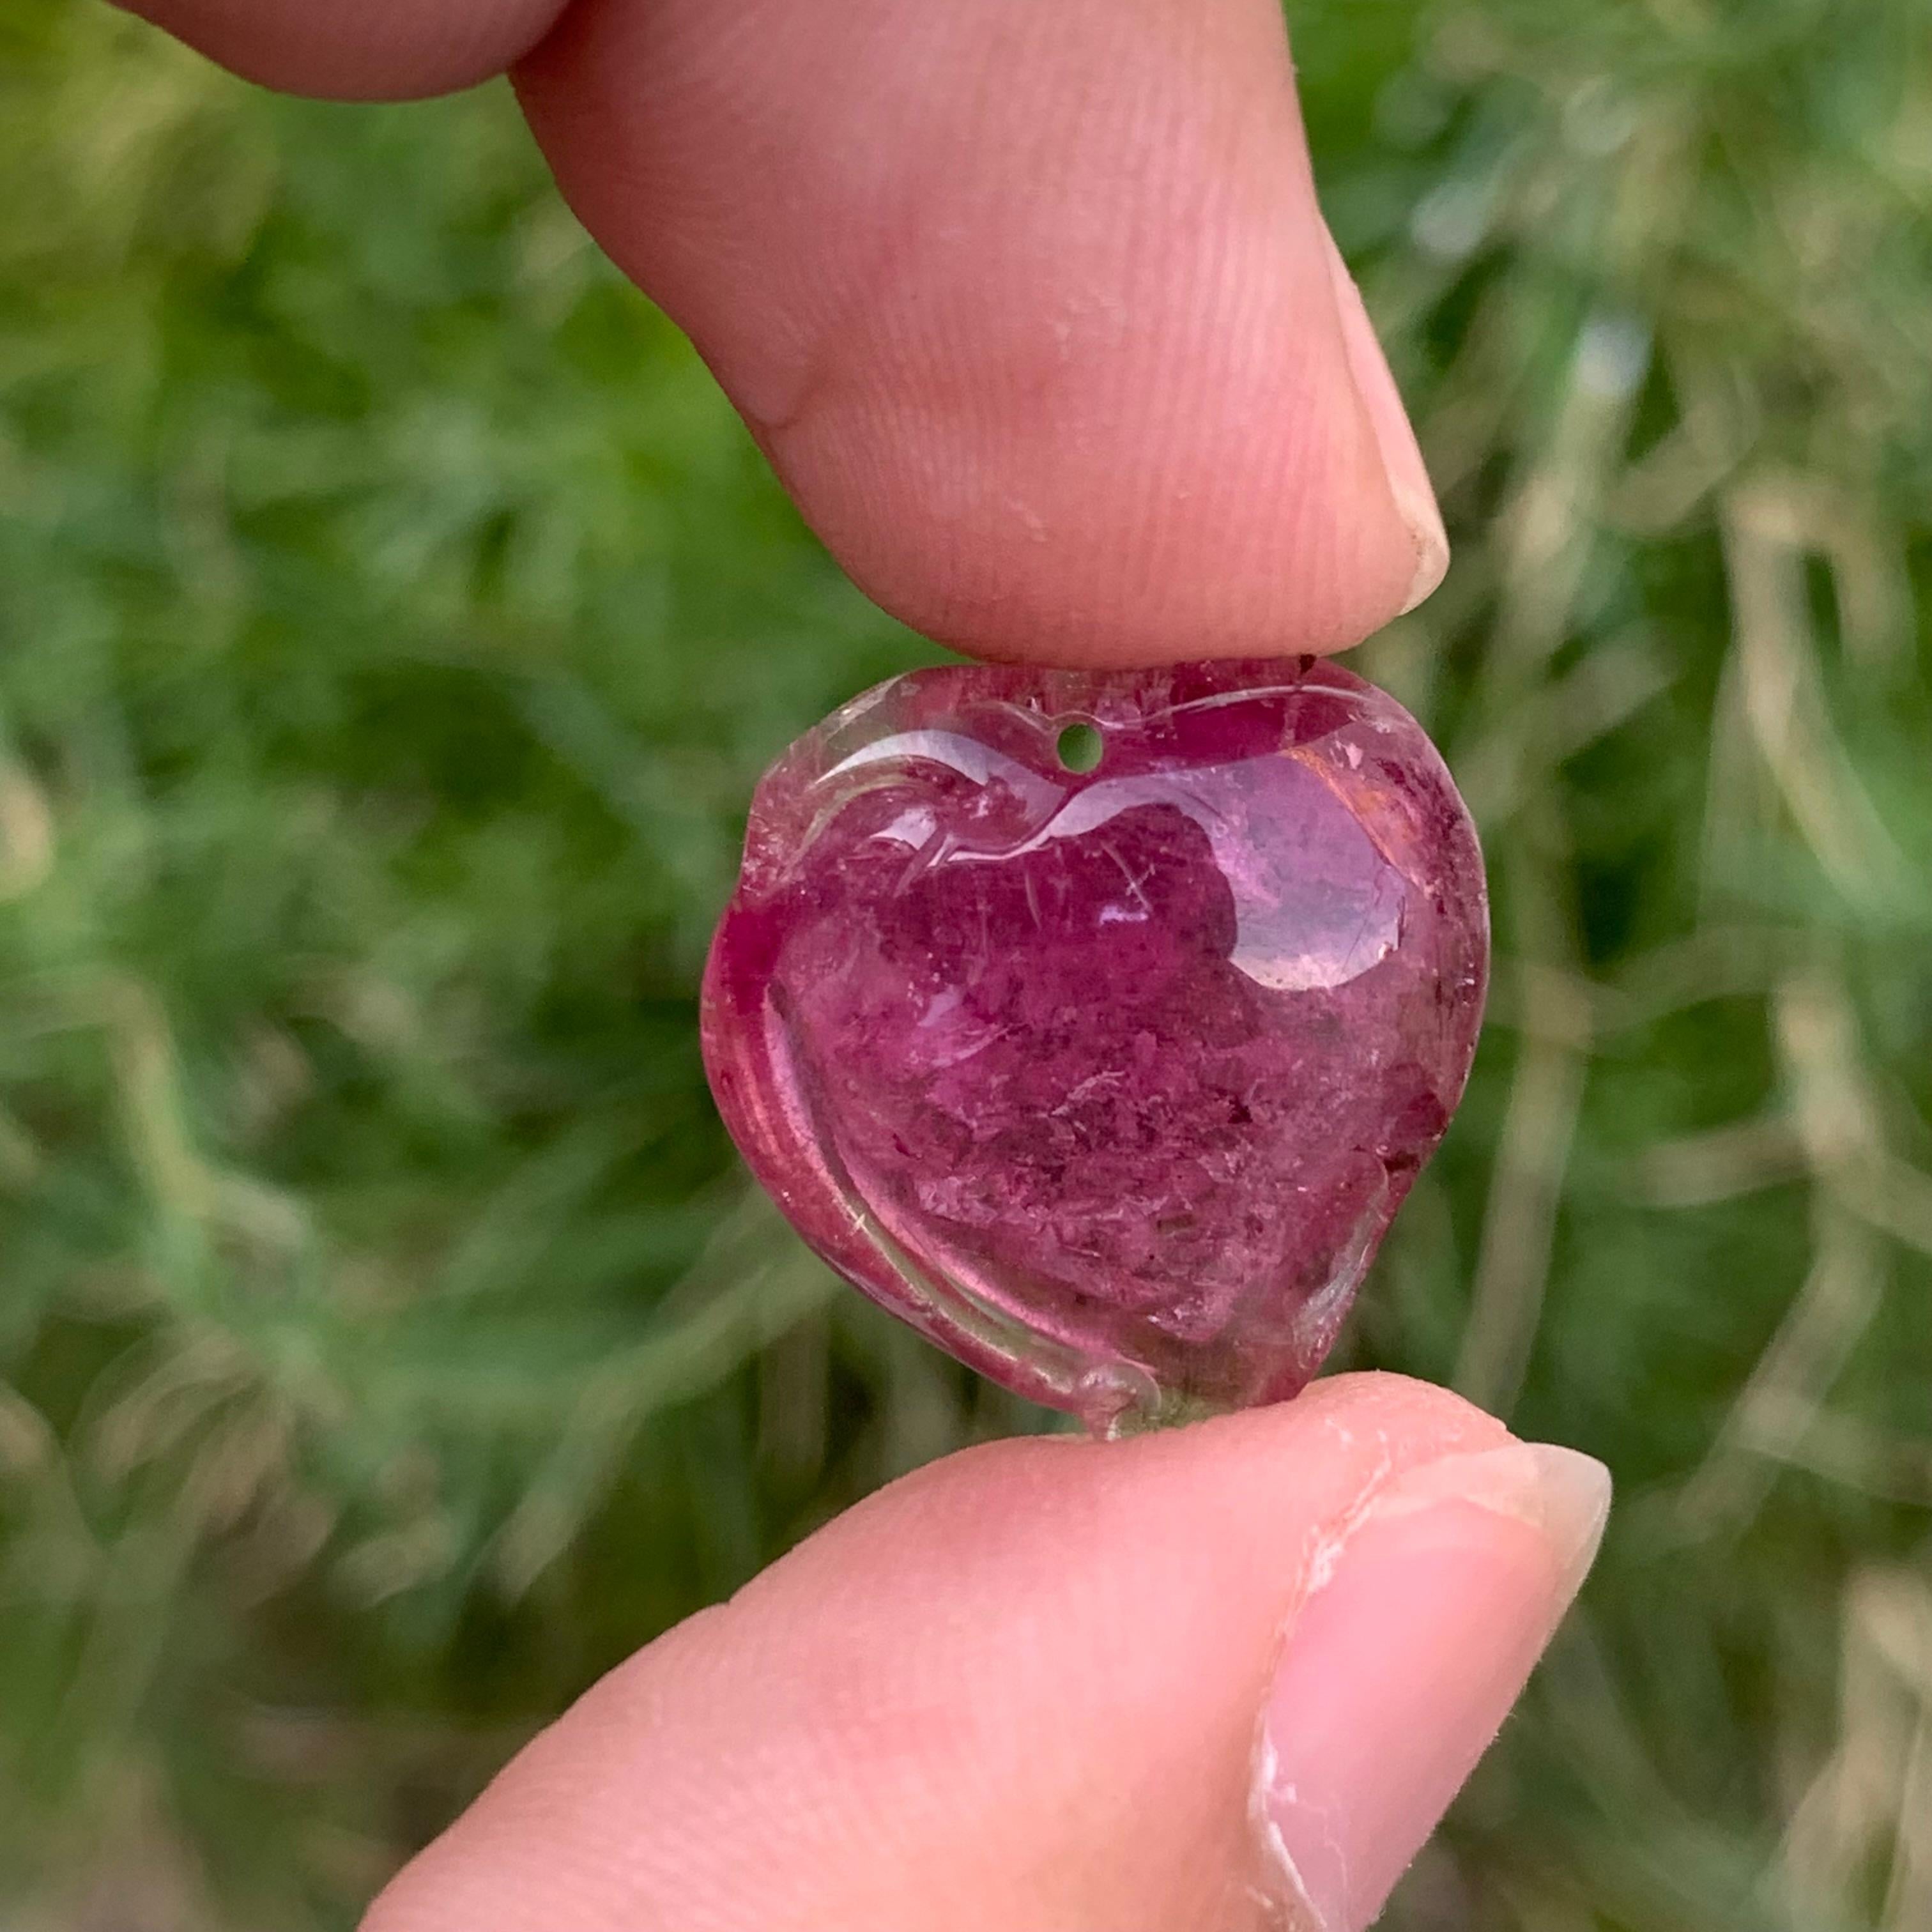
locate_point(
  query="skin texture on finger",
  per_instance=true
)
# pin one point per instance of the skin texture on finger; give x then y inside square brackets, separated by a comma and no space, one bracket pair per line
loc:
[1031,306]
[357,49]
[1021,1688]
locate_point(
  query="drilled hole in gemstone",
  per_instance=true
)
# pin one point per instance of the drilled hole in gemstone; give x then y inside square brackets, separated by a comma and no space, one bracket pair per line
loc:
[1079,747]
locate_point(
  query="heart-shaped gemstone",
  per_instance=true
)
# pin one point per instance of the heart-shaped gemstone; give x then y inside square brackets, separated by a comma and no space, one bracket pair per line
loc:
[1096,1023]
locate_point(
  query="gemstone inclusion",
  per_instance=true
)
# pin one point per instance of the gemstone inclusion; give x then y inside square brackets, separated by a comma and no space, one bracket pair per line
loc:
[1107,1081]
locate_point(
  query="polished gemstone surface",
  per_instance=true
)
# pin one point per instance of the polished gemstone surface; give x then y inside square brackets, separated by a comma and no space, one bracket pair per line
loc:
[1097,1023]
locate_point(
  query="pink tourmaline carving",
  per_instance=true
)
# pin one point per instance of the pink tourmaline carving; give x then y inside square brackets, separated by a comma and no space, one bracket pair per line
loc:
[1108,1081]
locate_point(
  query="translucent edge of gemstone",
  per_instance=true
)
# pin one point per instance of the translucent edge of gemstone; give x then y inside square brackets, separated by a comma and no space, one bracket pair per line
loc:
[751,1067]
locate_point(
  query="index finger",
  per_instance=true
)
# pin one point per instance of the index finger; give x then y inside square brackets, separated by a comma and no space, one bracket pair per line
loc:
[1032,308]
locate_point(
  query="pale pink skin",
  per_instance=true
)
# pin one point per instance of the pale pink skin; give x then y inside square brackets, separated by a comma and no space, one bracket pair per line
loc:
[1034,309]
[1109,1082]
[1028,1688]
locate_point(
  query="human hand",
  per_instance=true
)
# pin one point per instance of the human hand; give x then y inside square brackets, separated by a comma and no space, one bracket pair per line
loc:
[1035,312]
[1031,306]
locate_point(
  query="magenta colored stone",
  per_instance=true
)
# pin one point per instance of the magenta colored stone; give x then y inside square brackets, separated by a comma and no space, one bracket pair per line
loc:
[1109,1082]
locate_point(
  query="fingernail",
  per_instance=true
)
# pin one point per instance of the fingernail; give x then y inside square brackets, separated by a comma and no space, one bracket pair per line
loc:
[1424,1617]
[1402,455]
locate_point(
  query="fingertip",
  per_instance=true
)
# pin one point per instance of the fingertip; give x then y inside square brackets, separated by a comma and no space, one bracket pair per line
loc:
[1036,321]
[1034,311]
[1266,528]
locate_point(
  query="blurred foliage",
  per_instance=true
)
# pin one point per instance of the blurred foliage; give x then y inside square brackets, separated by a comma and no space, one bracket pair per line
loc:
[392,621]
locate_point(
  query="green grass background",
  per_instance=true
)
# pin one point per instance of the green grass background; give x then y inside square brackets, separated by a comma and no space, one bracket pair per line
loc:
[393,619]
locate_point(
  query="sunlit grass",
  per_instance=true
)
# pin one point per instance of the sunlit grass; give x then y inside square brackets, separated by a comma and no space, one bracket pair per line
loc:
[392,620]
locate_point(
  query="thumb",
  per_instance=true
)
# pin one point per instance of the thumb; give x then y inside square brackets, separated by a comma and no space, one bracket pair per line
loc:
[1185,1683]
